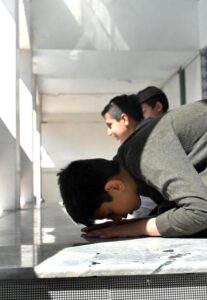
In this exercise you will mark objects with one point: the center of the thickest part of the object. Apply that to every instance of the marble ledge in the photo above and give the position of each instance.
(144, 256)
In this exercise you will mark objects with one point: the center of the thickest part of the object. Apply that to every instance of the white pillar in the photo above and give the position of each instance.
(26, 125)
(36, 152)
(8, 154)
(26, 104)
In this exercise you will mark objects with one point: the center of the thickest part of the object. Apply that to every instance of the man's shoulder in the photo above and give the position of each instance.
(142, 131)
(136, 141)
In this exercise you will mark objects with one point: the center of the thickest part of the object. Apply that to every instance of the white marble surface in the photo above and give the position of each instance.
(142, 256)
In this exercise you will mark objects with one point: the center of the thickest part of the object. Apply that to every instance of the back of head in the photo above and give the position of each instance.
(151, 95)
(127, 104)
(82, 187)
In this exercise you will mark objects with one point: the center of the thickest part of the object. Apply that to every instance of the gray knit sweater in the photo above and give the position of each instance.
(168, 159)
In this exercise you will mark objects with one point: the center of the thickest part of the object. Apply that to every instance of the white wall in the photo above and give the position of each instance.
(8, 170)
(74, 139)
(77, 140)
(192, 84)
(202, 12)
(50, 190)
(193, 81)
(172, 90)
(16, 113)
(193, 70)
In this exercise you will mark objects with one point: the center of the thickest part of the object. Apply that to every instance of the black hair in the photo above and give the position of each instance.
(82, 184)
(127, 104)
(151, 95)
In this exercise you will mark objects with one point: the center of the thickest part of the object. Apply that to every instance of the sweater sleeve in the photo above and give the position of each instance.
(166, 167)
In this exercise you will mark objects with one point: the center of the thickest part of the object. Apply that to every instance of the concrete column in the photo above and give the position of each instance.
(26, 125)
(36, 152)
(26, 104)
(8, 149)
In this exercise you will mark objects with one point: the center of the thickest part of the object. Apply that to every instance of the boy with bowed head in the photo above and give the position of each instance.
(165, 159)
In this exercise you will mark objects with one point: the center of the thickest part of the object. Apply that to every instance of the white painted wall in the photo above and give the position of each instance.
(16, 113)
(50, 190)
(77, 140)
(8, 170)
(74, 140)
(202, 11)
(193, 81)
(172, 90)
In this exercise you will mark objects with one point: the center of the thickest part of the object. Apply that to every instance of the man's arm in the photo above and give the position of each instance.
(134, 228)
(168, 169)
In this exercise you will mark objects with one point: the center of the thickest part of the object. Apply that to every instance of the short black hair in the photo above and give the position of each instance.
(82, 184)
(127, 104)
(151, 95)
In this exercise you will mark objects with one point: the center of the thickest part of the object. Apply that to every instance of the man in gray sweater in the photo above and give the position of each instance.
(165, 160)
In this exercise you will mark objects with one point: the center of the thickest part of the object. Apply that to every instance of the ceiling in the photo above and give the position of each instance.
(106, 47)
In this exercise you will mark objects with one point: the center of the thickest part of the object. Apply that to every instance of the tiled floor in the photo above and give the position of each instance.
(30, 235)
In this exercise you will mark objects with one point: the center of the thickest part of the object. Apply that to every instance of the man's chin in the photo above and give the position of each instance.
(119, 139)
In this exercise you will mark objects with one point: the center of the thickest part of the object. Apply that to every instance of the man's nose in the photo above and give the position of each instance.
(109, 132)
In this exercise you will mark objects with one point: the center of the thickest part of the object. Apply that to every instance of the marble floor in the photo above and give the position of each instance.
(44, 242)
(30, 235)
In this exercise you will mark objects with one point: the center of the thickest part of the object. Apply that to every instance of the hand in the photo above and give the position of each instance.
(97, 226)
(135, 228)
(106, 224)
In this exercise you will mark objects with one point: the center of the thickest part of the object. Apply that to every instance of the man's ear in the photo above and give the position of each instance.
(114, 185)
(159, 106)
(125, 119)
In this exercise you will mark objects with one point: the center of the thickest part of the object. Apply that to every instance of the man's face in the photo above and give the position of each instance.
(151, 112)
(117, 129)
(123, 202)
